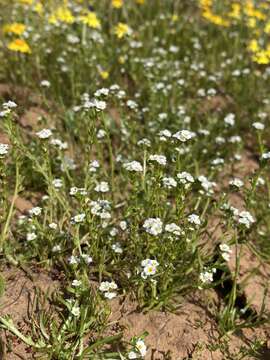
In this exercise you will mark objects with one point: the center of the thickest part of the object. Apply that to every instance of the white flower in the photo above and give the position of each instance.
(102, 91)
(78, 218)
(101, 134)
(161, 159)
(117, 248)
(185, 177)
(9, 105)
(35, 211)
(103, 187)
(225, 251)
(44, 134)
(266, 156)
(140, 345)
(229, 119)
(173, 228)
(110, 295)
(100, 208)
(4, 149)
(74, 190)
(260, 181)
(123, 225)
(258, 125)
(144, 142)
(149, 268)
(56, 248)
(106, 287)
(53, 226)
(165, 135)
(31, 236)
(226, 256)
(236, 182)
(225, 248)
(76, 283)
(86, 258)
(94, 165)
(207, 276)
(206, 184)
(75, 311)
(45, 83)
(153, 226)
(57, 142)
(194, 219)
(73, 260)
(169, 182)
(217, 161)
(73, 39)
(235, 139)
(246, 218)
(99, 105)
(133, 355)
(133, 166)
(184, 135)
(113, 231)
(57, 183)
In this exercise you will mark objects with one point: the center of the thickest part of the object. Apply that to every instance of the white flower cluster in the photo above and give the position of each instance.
(173, 229)
(44, 133)
(149, 268)
(77, 219)
(139, 350)
(184, 135)
(169, 182)
(160, 159)
(153, 226)
(103, 187)
(4, 149)
(74, 191)
(35, 211)
(85, 258)
(101, 208)
(185, 178)
(194, 219)
(225, 251)
(133, 166)
(266, 155)
(207, 185)
(108, 289)
(207, 276)
(236, 183)
(7, 106)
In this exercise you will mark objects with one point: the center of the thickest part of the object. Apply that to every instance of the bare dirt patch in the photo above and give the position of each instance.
(16, 302)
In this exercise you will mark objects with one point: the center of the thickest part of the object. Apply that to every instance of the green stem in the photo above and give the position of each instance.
(9, 217)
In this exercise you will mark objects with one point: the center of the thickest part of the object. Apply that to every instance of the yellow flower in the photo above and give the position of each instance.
(253, 46)
(236, 11)
(38, 8)
(117, 3)
(121, 60)
(175, 18)
(140, 2)
(267, 28)
(62, 14)
(26, 2)
(91, 20)
(14, 28)
(104, 74)
(121, 30)
(261, 57)
(215, 19)
(251, 22)
(19, 45)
